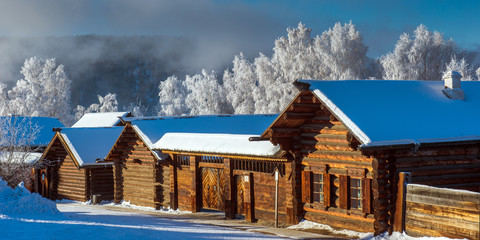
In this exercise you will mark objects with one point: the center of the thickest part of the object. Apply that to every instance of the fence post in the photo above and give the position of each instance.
(399, 218)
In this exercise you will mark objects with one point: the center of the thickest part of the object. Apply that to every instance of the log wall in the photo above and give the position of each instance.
(456, 166)
(138, 177)
(440, 212)
(101, 182)
(264, 197)
(68, 182)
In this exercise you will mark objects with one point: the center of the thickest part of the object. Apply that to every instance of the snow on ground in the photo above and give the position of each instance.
(304, 225)
(28, 216)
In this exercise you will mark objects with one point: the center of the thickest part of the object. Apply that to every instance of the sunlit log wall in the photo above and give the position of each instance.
(139, 178)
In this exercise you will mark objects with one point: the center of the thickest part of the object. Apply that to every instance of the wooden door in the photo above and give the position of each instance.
(240, 199)
(43, 190)
(213, 185)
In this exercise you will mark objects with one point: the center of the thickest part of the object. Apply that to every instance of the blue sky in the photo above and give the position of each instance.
(250, 26)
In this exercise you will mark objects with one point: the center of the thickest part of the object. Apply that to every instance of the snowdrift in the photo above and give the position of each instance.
(20, 202)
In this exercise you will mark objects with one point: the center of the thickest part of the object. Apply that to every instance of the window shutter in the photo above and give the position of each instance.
(326, 190)
(367, 195)
(344, 199)
(307, 186)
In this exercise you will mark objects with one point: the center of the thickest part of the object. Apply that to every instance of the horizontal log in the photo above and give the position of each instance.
(442, 211)
(297, 116)
(304, 107)
(452, 203)
(414, 189)
(284, 132)
(339, 155)
(442, 226)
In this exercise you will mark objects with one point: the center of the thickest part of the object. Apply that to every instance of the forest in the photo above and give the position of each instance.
(149, 75)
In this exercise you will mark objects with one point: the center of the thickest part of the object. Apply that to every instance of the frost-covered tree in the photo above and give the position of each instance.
(43, 91)
(422, 56)
(462, 67)
(205, 94)
(137, 109)
(239, 85)
(172, 97)
(108, 103)
(16, 149)
(341, 53)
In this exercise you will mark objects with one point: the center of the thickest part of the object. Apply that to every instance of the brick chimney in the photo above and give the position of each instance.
(453, 88)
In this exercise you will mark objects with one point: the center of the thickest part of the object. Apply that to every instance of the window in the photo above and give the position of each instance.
(355, 193)
(318, 188)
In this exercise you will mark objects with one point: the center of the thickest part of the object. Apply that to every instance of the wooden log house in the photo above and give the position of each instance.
(144, 176)
(352, 139)
(228, 172)
(75, 166)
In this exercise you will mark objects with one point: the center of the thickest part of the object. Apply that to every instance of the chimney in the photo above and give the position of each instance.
(453, 88)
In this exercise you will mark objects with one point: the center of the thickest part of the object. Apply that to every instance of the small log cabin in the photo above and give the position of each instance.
(350, 141)
(75, 166)
(228, 172)
(144, 176)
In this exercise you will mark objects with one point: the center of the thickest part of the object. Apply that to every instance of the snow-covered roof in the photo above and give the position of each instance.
(20, 157)
(45, 125)
(386, 112)
(154, 128)
(90, 144)
(104, 119)
(235, 144)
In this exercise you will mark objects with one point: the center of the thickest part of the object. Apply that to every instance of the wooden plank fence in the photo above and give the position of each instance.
(440, 212)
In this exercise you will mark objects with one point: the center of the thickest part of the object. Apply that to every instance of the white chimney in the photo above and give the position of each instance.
(453, 88)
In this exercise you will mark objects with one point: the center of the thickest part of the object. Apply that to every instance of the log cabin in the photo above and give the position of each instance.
(351, 141)
(75, 166)
(143, 175)
(230, 173)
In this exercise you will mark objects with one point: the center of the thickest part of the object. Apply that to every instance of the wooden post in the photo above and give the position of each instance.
(117, 182)
(249, 198)
(399, 218)
(229, 193)
(276, 197)
(173, 186)
(195, 193)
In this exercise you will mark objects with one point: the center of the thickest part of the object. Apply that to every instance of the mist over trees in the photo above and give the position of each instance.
(142, 74)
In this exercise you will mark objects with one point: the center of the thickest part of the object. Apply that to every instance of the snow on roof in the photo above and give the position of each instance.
(381, 112)
(89, 144)
(154, 128)
(20, 157)
(45, 125)
(237, 144)
(104, 119)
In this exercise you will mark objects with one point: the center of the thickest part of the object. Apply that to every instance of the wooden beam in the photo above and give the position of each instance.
(297, 116)
(284, 132)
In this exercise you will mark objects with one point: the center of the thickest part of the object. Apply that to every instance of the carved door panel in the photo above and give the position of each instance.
(213, 182)
(240, 187)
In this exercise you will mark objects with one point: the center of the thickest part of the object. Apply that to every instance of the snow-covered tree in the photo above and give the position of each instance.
(240, 84)
(420, 57)
(172, 97)
(460, 66)
(341, 53)
(205, 94)
(44, 90)
(16, 149)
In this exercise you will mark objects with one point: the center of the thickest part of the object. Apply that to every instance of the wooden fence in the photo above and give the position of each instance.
(437, 212)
